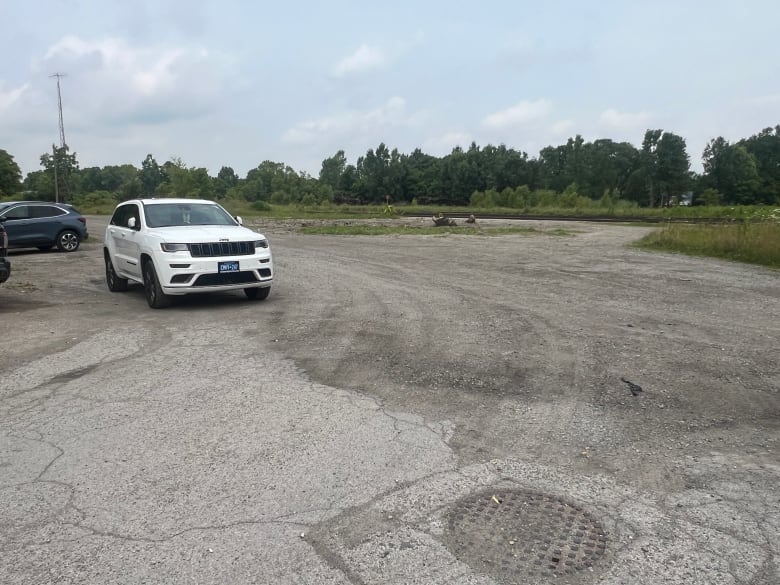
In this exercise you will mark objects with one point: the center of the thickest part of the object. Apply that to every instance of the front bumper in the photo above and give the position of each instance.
(5, 269)
(181, 274)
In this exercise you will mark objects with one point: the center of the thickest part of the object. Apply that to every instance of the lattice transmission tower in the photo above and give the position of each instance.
(60, 188)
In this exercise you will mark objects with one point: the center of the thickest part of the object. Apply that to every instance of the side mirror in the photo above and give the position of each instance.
(240, 220)
(131, 223)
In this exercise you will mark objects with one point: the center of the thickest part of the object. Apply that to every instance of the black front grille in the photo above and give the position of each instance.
(225, 278)
(210, 249)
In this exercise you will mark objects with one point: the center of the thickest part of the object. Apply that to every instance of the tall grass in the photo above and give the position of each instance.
(754, 243)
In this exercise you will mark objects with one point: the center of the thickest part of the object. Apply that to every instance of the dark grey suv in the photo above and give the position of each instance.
(35, 224)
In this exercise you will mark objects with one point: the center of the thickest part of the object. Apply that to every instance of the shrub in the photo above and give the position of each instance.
(261, 205)
(95, 202)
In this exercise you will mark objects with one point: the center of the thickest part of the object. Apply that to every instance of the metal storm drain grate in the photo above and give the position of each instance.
(515, 534)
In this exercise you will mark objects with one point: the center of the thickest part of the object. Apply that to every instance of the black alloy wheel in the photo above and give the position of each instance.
(114, 282)
(154, 294)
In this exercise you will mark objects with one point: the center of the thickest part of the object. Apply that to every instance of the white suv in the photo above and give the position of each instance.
(182, 246)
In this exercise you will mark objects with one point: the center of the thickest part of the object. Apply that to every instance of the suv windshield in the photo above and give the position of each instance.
(179, 214)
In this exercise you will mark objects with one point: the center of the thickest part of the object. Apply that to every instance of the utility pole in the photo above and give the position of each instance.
(63, 144)
(56, 186)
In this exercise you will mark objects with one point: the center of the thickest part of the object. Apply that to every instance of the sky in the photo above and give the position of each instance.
(234, 83)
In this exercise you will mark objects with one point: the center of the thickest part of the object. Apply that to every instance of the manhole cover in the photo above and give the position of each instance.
(515, 534)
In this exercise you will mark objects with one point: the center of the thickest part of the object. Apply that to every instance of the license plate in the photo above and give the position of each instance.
(228, 267)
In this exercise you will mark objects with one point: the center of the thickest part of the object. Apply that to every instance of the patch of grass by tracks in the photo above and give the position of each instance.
(753, 243)
(385, 230)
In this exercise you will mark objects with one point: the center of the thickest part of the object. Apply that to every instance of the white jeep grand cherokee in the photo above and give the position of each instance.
(182, 246)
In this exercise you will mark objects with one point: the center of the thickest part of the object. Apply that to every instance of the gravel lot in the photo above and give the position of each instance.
(402, 409)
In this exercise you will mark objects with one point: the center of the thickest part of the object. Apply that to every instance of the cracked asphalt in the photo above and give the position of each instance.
(330, 433)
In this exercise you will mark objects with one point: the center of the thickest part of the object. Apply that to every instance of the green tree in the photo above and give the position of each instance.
(259, 183)
(636, 187)
(184, 181)
(732, 171)
(709, 196)
(422, 171)
(287, 182)
(665, 167)
(608, 167)
(151, 175)
(10, 175)
(374, 177)
(673, 170)
(112, 177)
(130, 189)
(765, 148)
(648, 161)
(91, 179)
(509, 168)
(551, 168)
(226, 179)
(62, 166)
(333, 169)
(39, 185)
(228, 176)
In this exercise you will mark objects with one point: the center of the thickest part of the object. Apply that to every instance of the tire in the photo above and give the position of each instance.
(45, 248)
(68, 241)
(154, 294)
(259, 294)
(114, 282)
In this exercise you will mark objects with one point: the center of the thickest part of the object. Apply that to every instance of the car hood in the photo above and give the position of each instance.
(195, 234)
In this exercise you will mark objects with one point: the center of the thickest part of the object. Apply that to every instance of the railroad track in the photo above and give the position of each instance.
(596, 218)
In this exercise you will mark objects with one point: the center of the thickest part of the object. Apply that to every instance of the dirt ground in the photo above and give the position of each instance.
(514, 363)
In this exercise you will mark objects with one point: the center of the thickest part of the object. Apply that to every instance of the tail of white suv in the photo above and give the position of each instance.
(183, 246)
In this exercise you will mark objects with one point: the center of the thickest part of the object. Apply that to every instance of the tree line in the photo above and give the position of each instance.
(656, 174)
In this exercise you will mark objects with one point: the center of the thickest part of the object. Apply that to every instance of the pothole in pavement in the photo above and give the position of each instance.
(515, 534)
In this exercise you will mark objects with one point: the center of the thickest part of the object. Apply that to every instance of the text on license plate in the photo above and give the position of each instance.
(228, 266)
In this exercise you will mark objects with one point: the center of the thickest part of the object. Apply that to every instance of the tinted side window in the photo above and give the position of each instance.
(18, 212)
(134, 212)
(123, 213)
(119, 214)
(40, 211)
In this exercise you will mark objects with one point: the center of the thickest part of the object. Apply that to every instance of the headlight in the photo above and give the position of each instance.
(261, 243)
(174, 247)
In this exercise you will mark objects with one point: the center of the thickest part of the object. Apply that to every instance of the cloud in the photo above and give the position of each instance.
(391, 113)
(113, 82)
(762, 101)
(562, 127)
(442, 145)
(519, 114)
(365, 58)
(616, 119)
(8, 98)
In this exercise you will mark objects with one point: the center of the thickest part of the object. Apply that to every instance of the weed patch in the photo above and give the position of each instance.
(753, 243)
